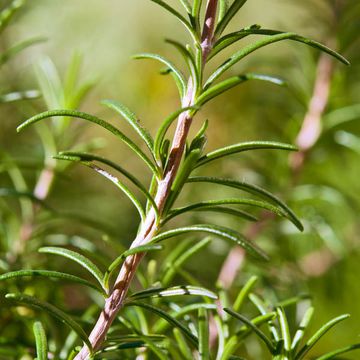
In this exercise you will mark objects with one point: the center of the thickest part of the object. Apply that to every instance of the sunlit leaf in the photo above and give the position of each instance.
(49, 274)
(252, 189)
(256, 330)
(204, 345)
(85, 157)
(171, 320)
(220, 231)
(41, 341)
(93, 119)
(173, 291)
(132, 120)
(19, 95)
(334, 354)
(244, 146)
(302, 327)
(319, 334)
(229, 14)
(178, 16)
(276, 37)
(228, 84)
(78, 258)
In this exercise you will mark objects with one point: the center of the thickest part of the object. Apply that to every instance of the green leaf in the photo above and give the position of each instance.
(244, 146)
(124, 255)
(230, 13)
(175, 72)
(179, 17)
(52, 310)
(204, 346)
(18, 48)
(183, 346)
(300, 332)
(165, 126)
(19, 95)
(173, 291)
(276, 37)
(223, 8)
(7, 13)
(186, 5)
(49, 274)
(96, 120)
(284, 327)
(220, 231)
(161, 325)
(85, 157)
(260, 305)
(189, 59)
(252, 189)
(113, 179)
(80, 259)
(170, 319)
(244, 292)
(196, 9)
(256, 330)
(132, 120)
(319, 334)
(41, 341)
(214, 203)
(225, 85)
(334, 354)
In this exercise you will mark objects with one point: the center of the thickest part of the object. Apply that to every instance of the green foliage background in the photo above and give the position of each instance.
(326, 192)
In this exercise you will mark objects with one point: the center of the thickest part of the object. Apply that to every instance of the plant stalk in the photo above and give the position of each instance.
(150, 227)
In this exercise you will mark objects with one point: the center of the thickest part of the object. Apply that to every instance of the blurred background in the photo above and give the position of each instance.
(318, 110)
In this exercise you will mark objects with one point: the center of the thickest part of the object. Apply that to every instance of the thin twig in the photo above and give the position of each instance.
(149, 229)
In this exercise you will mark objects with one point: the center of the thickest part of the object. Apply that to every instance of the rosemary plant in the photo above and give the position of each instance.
(172, 164)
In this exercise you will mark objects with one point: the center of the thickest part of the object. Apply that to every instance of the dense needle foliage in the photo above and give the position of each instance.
(156, 310)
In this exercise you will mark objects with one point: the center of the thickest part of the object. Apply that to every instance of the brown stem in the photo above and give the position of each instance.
(115, 300)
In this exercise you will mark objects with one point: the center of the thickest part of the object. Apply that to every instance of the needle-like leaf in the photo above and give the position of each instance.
(252, 189)
(173, 291)
(50, 274)
(170, 319)
(132, 120)
(86, 157)
(319, 334)
(80, 259)
(256, 330)
(19, 95)
(187, 25)
(244, 292)
(302, 327)
(230, 83)
(276, 37)
(284, 328)
(245, 146)
(230, 13)
(7, 13)
(96, 120)
(220, 231)
(204, 346)
(52, 310)
(119, 184)
(234, 201)
(41, 341)
(334, 354)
